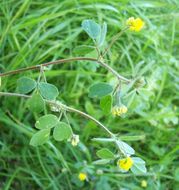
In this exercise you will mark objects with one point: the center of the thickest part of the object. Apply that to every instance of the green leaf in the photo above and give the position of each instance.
(105, 153)
(46, 122)
(132, 138)
(99, 90)
(101, 161)
(106, 104)
(102, 36)
(104, 139)
(176, 174)
(91, 28)
(103, 183)
(62, 131)
(36, 103)
(26, 85)
(125, 148)
(40, 137)
(48, 91)
(138, 166)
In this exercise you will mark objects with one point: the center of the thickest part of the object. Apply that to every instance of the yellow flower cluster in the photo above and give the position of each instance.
(125, 163)
(82, 176)
(135, 24)
(119, 110)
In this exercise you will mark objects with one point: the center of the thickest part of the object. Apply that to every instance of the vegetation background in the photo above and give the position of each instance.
(33, 32)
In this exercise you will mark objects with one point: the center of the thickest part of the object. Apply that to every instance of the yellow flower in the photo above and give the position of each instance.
(125, 163)
(75, 140)
(135, 24)
(116, 110)
(144, 183)
(82, 176)
(123, 109)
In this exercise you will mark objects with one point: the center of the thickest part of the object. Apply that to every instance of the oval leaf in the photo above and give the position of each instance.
(138, 166)
(62, 131)
(99, 90)
(106, 104)
(26, 85)
(48, 91)
(36, 103)
(102, 36)
(105, 153)
(125, 148)
(101, 161)
(46, 122)
(40, 137)
(91, 28)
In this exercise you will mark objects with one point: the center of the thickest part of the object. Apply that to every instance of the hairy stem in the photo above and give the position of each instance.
(57, 62)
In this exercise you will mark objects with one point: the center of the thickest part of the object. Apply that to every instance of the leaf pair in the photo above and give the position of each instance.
(95, 31)
(48, 91)
(62, 131)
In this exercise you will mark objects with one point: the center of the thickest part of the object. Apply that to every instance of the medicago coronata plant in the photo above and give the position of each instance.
(51, 113)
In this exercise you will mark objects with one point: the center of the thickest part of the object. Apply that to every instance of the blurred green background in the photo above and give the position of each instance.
(33, 32)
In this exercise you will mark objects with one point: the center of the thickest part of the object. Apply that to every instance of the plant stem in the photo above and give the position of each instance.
(37, 67)
(113, 40)
(67, 108)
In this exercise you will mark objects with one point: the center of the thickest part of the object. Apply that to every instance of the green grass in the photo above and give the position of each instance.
(34, 32)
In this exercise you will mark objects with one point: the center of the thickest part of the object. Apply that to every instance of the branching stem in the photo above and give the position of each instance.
(113, 40)
(57, 62)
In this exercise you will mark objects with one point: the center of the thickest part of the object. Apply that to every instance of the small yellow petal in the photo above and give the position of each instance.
(82, 176)
(125, 163)
(123, 109)
(116, 110)
(135, 24)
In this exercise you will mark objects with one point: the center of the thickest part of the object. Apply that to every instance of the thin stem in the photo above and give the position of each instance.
(70, 109)
(113, 40)
(67, 108)
(37, 67)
